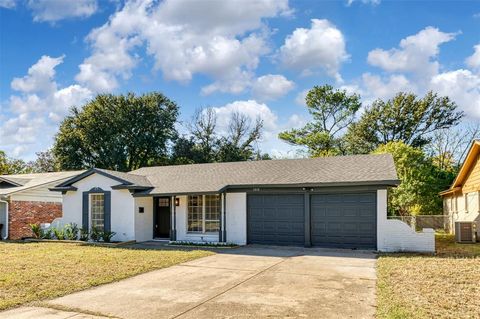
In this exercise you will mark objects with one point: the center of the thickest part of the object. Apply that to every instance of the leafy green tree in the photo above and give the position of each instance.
(120, 132)
(12, 166)
(421, 181)
(404, 118)
(45, 162)
(332, 111)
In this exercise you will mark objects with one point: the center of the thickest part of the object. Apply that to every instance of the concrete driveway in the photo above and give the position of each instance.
(254, 281)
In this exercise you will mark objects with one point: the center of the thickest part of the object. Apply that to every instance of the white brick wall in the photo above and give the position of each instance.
(395, 235)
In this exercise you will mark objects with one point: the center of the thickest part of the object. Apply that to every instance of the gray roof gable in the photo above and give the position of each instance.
(21, 182)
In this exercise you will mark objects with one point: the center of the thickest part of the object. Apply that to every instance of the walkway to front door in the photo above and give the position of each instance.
(247, 282)
(161, 217)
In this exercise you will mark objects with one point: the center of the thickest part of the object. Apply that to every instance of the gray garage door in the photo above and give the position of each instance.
(276, 219)
(344, 220)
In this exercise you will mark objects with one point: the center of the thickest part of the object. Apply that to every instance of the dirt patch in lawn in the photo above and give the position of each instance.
(445, 285)
(38, 271)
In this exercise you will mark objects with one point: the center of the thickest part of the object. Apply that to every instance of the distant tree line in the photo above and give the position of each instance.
(125, 132)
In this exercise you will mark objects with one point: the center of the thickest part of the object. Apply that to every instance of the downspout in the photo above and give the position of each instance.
(6, 218)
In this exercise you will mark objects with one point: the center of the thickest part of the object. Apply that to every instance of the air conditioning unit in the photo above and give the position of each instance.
(465, 232)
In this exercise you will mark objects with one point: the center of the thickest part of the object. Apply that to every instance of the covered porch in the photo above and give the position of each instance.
(195, 218)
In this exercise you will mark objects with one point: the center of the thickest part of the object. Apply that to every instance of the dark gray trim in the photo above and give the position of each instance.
(89, 172)
(172, 205)
(63, 189)
(301, 190)
(307, 220)
(392, 183)
(7, 181)
(107, 214)
(275, 189)
(107, 208)
(132, 187)
(140, 194)
(85, 209)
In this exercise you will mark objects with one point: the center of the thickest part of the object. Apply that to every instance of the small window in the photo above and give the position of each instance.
(470, 202)
(97, 211)
(164, 202)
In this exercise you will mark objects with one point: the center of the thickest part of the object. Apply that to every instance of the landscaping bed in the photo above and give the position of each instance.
(444, 285)
(36, 271)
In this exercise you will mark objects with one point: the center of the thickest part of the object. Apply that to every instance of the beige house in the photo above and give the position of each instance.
(462, 200)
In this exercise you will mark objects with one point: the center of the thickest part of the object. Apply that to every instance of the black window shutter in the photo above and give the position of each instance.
(85, 211)
(107, 213)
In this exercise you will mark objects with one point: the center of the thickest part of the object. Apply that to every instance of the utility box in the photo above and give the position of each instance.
(465, 232)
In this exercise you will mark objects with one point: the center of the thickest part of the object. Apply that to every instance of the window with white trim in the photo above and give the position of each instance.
(470, 199)
(204, 213)
(97, 211)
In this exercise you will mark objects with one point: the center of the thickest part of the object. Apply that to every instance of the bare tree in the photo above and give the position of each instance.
(449, 146)
(241, 132)
(203, 130)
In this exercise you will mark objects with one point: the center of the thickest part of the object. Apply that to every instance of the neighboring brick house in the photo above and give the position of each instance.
(25, 199)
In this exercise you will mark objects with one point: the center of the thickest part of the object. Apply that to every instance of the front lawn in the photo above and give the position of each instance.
(37, 271)
(446, 285)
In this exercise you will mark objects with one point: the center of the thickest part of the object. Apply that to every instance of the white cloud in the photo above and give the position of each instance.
(416, 53)
(301, 96)
(223, 40)
(463, 87)
(415, 68)
(473, 61)
(55, 10)
(372, 2)
(320, 47)
(39, 77)
(7, 4)
(377, 87)
(271, 87)
(252, 109)
(35, 111)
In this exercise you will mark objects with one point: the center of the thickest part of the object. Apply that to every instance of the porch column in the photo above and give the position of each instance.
(224, 208)
(220, 218)
(173, 232)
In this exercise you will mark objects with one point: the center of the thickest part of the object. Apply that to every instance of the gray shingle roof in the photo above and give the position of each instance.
(134, 179)
(337, 170)
(27, 181)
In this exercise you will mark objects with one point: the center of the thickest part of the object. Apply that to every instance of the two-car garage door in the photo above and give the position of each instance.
(346, 220)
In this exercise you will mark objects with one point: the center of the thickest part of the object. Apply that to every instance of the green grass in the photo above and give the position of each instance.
(445, 285)
(37, 271)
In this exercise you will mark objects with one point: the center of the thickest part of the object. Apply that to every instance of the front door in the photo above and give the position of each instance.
(162, 217)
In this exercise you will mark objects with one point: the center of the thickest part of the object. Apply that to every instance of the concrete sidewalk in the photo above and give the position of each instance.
(238, 283)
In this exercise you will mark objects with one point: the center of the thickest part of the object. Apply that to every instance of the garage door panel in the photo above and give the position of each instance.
(280, 216)
(344, 220)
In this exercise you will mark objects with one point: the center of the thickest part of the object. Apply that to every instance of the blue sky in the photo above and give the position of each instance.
(255, 57)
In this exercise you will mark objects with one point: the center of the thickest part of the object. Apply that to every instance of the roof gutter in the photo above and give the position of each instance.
(387, 183)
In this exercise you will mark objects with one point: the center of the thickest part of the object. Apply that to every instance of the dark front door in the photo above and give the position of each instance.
(162, 217)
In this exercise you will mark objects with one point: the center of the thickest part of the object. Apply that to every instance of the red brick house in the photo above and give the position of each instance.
(25, 199)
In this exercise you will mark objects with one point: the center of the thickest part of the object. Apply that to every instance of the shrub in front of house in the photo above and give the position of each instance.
(72, 232)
